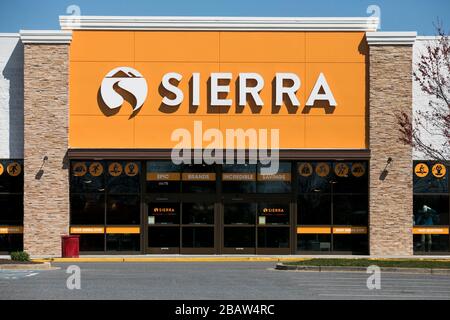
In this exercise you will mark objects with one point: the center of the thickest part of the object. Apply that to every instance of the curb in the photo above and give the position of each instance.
(170, 259)
(41, 266)
(284, 267)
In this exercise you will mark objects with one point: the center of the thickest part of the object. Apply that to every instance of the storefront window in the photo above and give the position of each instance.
(198, 237)
(431, 207)
(239, 213)
(11, 205)
(105, 193)
(333, 194)
(198, 213)
(273, 237)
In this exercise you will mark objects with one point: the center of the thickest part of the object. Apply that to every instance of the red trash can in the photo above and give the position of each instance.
(70, 246)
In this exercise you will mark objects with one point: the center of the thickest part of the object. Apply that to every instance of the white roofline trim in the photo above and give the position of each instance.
(219, 23)
(9, 35)
(46, 36)
(428, 38)
(391, 38)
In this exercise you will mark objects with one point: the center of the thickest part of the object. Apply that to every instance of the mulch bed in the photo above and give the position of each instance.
(7, 261)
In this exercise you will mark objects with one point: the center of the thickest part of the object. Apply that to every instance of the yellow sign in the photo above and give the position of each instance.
(341, 170)
(430, 230)
(439, 170)
(95, 169)
(131, 169)
(198, 176)
(14, 169)
(322, 169)
(305, 169)
(115, 169)
(358, 169)
(421, 170)
(11, 230)
(87, 230)
(244, 176)
(350, 230)
(163, 176)
(79, 169)
(274, 177)
(123, 230)
(1, 169)
(313, 230)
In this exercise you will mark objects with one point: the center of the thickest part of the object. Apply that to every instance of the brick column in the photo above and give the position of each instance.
(390, 92)
(46, 182)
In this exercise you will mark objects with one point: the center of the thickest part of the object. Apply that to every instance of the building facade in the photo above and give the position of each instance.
(96, 116)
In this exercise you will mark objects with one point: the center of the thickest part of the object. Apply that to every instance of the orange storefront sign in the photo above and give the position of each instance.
(339, 56)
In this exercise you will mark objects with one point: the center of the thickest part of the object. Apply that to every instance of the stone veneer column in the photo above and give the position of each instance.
(46, 108)
(391, 194)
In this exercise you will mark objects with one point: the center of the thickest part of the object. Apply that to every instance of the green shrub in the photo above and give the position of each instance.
(20, 256)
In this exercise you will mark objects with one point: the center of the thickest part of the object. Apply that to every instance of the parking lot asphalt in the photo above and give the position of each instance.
(216, 281)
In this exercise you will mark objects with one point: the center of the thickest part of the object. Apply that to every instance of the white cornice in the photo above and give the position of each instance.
(218, 23)
(391, 38)
(46, 36)
(9, 35)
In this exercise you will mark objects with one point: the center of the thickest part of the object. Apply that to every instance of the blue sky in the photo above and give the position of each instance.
(396, 15)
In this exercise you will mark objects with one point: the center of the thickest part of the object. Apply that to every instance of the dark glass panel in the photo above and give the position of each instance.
(239, 213)
(11, 209)
(273, 237)
(87, 209)
(92, 242)
(123, 209)
(239, 237)
(198, 237)
(355, 243)
(314, 242)
(11, 242)
(198, 213)
(431, 210)
(123, 242)
(314, 209)
(350, 210)
(424, 243)
(162, 237)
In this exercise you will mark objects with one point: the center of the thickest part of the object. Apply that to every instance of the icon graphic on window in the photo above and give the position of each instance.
(421, 170)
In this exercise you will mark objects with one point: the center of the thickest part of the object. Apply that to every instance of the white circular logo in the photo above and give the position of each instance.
(124, 83)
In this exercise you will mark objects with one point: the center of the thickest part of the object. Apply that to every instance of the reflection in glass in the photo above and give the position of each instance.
(162, 237)
(127, 181)
(11, 242)
(87, 209)
(87, 182)
(355, 243)
(123, 209)
(239, 237)
(424, 243)
(123, 242)
(314, 209)
(92, 242)
(350, 210)
(273, 237)
(431, 210)
(198, 237)
(198, 213)
(314, 242)
(239, 213)
(429, 183)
